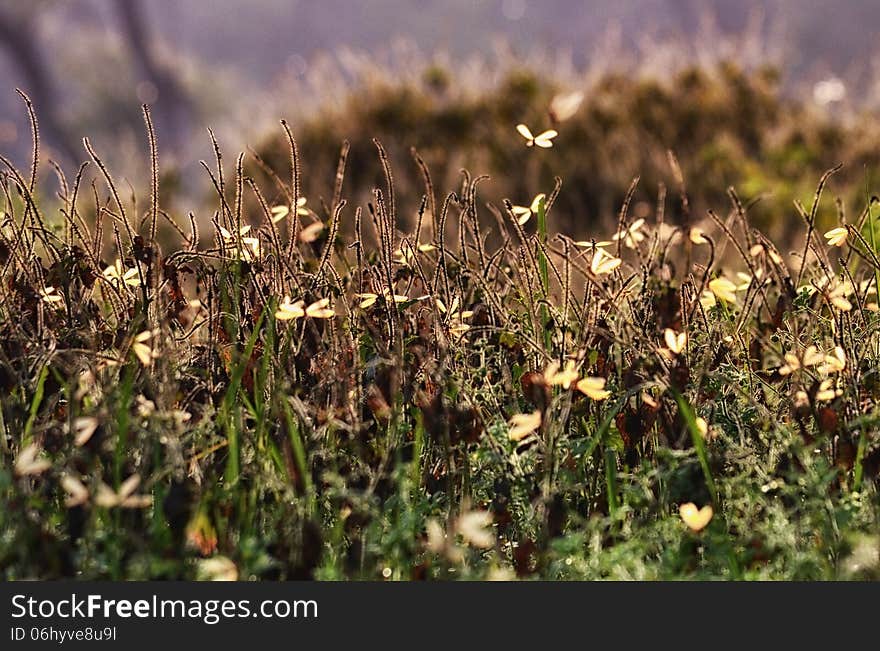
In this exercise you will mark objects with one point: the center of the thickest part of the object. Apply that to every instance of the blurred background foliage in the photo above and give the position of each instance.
(727, 127)
(738, 90)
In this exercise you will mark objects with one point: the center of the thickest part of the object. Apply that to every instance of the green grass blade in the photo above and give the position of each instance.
(36, 401)
(690, 420)
(299, 452)
(230, 413)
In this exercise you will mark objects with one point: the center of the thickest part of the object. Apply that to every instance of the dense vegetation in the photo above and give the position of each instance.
(417, 384)
(728, 127)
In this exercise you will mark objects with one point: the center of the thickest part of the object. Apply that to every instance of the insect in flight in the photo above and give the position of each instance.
(544, 139)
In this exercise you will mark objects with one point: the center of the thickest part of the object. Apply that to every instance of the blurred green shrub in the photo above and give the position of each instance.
(726, 126)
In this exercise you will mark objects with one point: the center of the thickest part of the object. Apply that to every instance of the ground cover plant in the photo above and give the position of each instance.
(429, 386)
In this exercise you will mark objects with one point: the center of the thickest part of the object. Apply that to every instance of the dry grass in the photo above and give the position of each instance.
(337, 391)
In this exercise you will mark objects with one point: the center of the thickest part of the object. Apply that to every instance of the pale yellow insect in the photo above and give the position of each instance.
(84, 427)
(565, 105)
(453, 311)
(311, 232)
(587, 244)
(543, 139)
(564, 378)
(834, 362)
(521, 425)
(320, 310)
(124, 497)
(289, 310)
(695, 519)
(792, 363)
(723, 288)
(405, 255)
(252, 244)
(631, 235)
(593, 387)
(758, 250)
(216, 568)
(524, 213)
(455, 317)
(50, 295)
(30, 461)
(368, 298)
(77, 493)
(697, 236)
(118, 275)
(811, 357)
(282, 211)
(837, 236)
(838, 296)
(826, 391)
(142, 351)
(707, 299)
(675, 341)
(475, 528)
(745, 280)
(603, 262)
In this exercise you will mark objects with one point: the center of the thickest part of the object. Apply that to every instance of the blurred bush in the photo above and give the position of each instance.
(726, 126)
